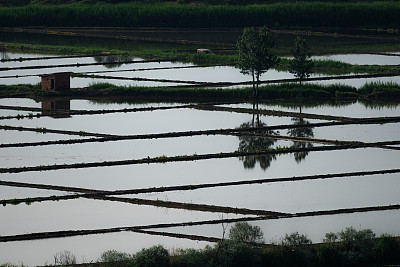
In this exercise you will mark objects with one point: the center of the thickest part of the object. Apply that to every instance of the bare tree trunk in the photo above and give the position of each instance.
(300, 88)
(300, 94)
(254, 113)
(258, 80)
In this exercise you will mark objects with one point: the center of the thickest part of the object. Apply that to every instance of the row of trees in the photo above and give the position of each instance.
(244, 247)
(256, 56)
(349, 247)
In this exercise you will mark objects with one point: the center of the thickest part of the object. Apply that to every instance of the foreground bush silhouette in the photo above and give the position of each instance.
(387, 250)
(155, 256)
(349, 247)
(116, 259)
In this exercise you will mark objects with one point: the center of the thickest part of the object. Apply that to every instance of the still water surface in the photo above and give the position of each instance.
(283, 197)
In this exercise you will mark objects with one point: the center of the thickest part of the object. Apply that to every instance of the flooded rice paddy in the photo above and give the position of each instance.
(317, 186)
(130, 71)
(175, 209)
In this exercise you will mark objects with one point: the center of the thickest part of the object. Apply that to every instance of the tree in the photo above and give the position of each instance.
(65, 258)
(301, 64)
(116, 259)
(155, 256)
(245, 232)
(255, 55)
(296, 240)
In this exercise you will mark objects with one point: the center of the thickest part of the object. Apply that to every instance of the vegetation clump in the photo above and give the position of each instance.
(116, 258)
(155, 256)
(380, 90)
(349, 247)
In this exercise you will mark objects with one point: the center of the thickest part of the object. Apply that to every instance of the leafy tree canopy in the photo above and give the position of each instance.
(301, 64)
(255, 55)
(245, 232)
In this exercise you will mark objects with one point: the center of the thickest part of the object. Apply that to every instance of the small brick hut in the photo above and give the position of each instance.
(56, 82)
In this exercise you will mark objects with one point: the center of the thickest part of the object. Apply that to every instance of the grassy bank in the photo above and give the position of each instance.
(162, 14)
(288, 91)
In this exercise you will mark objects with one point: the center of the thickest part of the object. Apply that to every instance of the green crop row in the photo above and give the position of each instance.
(135, 14)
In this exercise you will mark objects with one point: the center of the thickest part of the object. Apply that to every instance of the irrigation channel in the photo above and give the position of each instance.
(126, 176)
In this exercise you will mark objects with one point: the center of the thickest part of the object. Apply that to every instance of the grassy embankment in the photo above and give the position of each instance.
(387, 91)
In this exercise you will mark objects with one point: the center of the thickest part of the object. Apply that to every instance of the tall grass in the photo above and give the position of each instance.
(267, 92)
(135, 14)
(385, 90)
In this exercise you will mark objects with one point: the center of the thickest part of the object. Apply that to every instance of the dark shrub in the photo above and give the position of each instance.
(115, 258)
(232, 253)
(387, 249)
(328, 255)
(193, 258)
(155, 256)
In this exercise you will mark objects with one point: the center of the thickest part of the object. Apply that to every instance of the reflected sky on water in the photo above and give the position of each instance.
(281, 196)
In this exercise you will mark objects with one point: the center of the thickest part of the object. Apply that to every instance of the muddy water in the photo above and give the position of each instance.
(290, 197)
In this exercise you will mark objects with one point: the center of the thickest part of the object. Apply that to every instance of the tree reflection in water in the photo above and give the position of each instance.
(4, 55)
(301, 132)
(252, 141)
(112, 61)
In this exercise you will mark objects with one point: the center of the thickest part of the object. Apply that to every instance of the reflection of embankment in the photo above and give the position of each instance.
(211, 107)
(86, 112)
(90, 74)
(89, 64)
(20, 59)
